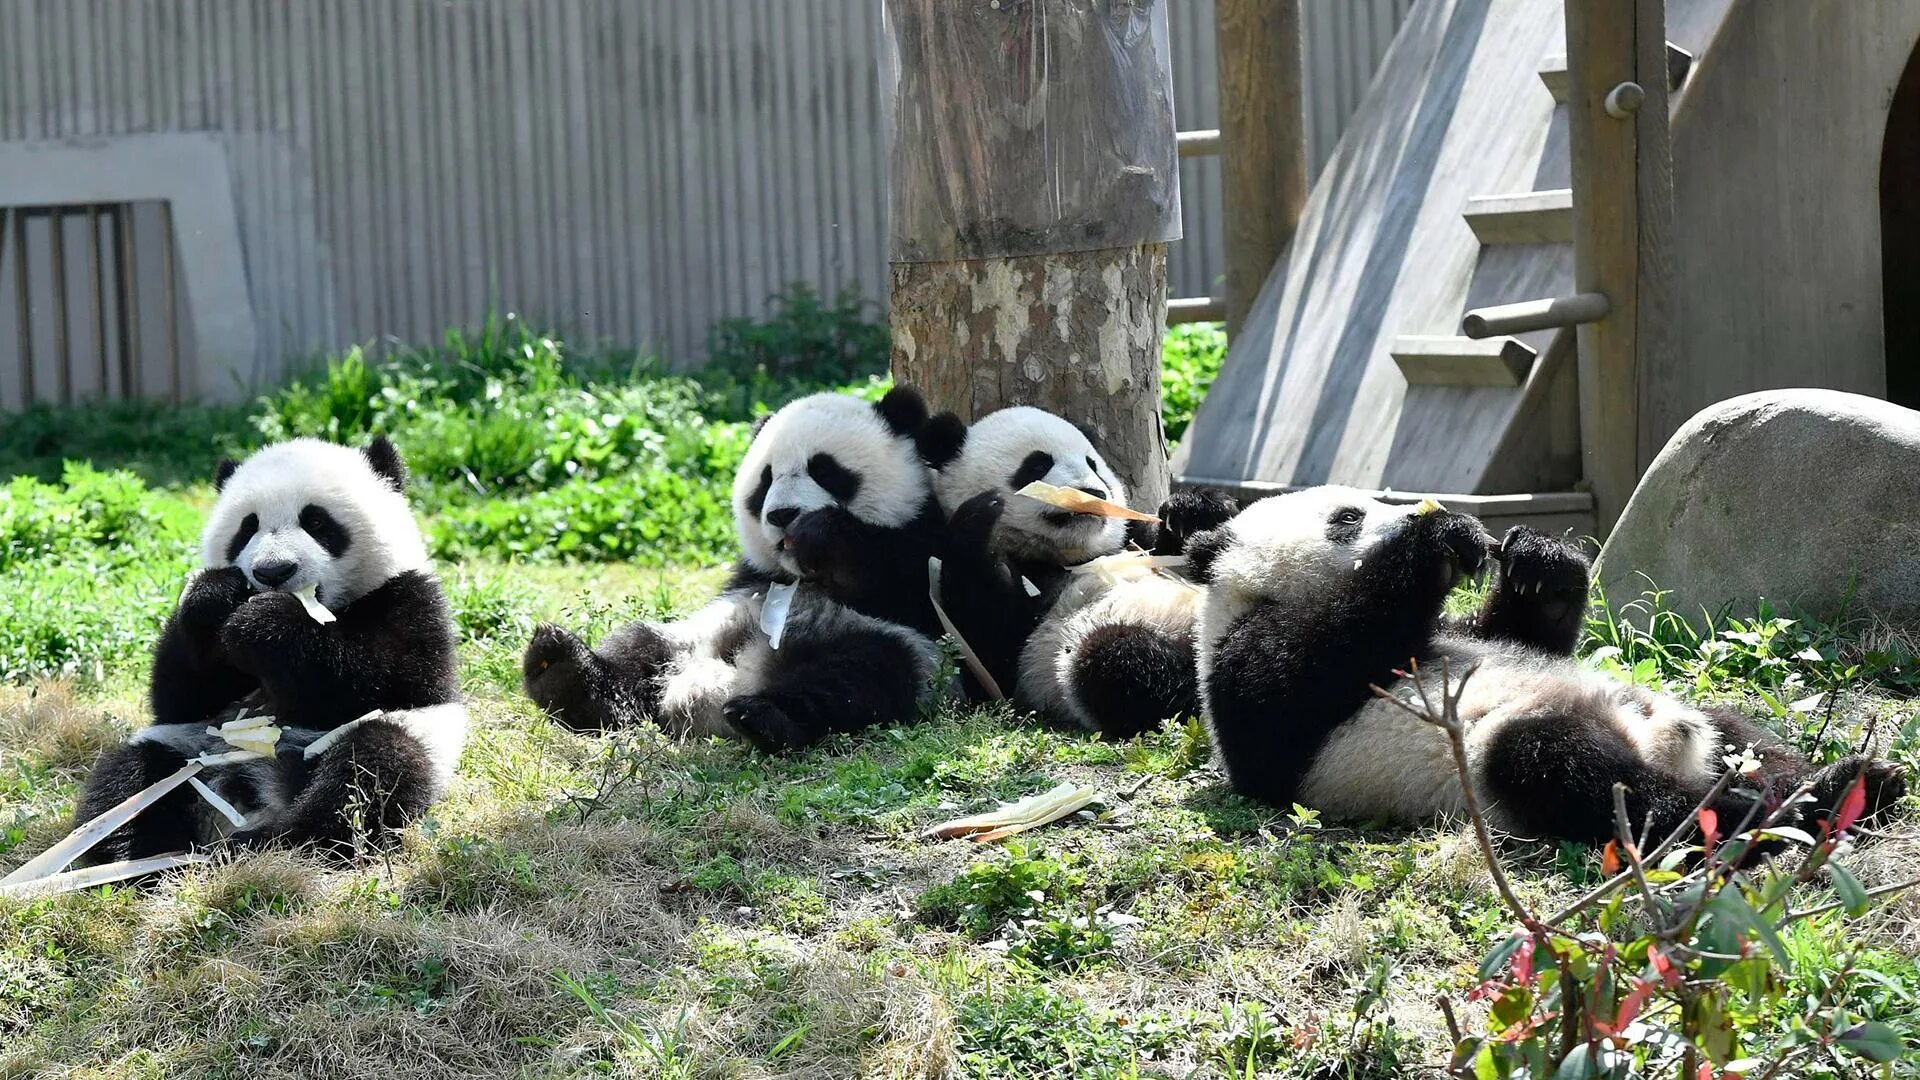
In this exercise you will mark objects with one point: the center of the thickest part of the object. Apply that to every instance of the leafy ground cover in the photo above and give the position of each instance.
(629, 906)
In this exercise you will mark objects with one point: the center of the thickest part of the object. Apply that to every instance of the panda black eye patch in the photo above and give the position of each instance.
(834, 477)
(326, 532)
(1038, 464)
(1343, 526)
(248, 526)
(758, 499)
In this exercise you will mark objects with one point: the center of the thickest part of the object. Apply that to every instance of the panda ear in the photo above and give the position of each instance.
(385, 459)
(941, 440)
(904, 410)
(1203, 548)
(223, 472)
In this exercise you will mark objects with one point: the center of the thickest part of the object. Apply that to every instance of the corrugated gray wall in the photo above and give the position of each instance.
(628, 170)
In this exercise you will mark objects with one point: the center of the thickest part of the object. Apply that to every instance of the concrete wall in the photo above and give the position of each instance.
(628, 170)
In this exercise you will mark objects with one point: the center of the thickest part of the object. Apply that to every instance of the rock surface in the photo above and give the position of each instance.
(1808, 498)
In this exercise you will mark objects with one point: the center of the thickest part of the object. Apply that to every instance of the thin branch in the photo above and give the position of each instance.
(1448, 721)
(1871, 894)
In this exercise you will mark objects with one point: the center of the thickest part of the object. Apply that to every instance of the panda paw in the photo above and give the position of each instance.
(1187, 513)
(262, 629)
(213, 597)
(971, 526)
(1886, 784)
(1535, 564)
(766, 725)
(560, 674)
(1466, 542)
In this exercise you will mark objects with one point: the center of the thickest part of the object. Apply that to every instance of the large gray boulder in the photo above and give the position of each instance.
(1808, 498)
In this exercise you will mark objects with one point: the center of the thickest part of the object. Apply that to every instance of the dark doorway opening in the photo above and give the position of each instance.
(1900, 238)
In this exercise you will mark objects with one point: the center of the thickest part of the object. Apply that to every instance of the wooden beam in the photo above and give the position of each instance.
(1532, 217)
(1263, 176)
(1459, 361)
(1623, 214)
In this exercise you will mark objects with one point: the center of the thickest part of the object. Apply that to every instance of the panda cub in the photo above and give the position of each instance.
(1315, 595)
(1114, 657)
(836, 521)
(370, 717)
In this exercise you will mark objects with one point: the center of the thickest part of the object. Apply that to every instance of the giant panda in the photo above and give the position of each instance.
(1111, 656)
(836, 519)
(368, 705)
(1314, 596)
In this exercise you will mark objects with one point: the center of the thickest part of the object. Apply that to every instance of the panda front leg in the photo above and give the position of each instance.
(596, 689)
(1186, 514)
(192, 678)
(170, 825)
(1539, 594)
(816, 685)
(374, 782)
(980, 593)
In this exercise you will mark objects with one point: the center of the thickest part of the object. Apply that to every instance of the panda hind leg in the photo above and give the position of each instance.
(813, 688)
(592, 690)
(170, 825)
(1783, 769)
(361, 792)
(1552, 775)
(1127, 679)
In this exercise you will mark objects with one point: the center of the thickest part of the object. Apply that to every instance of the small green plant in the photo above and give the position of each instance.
(1191, 360)
(993, 892)
(1678, 964)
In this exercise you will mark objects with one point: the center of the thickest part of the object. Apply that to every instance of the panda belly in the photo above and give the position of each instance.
(264, 789)
(724, 654)
(1114, 658)
(1387, 764)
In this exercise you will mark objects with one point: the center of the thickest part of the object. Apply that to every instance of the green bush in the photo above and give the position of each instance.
(1192, 358)
(803, 337)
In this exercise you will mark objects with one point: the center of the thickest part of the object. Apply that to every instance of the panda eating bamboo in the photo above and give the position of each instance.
(315, 607)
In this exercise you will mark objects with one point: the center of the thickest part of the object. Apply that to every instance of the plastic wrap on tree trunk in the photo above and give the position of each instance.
(1023, 127)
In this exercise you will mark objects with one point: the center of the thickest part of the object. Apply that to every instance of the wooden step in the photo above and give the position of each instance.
(1532, 217)
(1553, 72)
(1459, 361)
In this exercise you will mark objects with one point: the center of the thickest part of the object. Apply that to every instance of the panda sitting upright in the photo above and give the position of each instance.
(1317, 595)
(370, 718)
(1114, 657)
(836, 522)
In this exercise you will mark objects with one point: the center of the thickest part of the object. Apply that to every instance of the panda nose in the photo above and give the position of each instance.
(274, 572)
(783, 516)
(1098, 493)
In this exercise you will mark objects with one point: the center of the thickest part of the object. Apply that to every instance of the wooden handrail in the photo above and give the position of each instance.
(1196, 309)
(1528, 315)
(1199, 143)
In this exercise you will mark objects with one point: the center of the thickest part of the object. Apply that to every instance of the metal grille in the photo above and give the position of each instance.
(89, 304)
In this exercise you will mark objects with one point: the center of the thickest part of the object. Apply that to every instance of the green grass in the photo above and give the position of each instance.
(631, 906)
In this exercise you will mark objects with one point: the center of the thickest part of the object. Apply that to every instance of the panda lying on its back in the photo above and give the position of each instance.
(1315, 595)
(832, 496)
(296, 516)
(1113, 658)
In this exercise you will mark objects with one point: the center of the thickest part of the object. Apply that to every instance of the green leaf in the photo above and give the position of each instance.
(1513, 1007)
(1874, 1041)
(1578, 1065)
(1496, 961)
(1852, 895)
(1738, 915)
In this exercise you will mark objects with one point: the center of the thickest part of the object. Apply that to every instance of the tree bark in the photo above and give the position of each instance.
(1075, 333)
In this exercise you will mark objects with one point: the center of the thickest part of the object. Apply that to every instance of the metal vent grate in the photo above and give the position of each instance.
(90, 307)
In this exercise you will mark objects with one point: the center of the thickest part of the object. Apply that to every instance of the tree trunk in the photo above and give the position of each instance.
(1075, 333)
(1035, 183)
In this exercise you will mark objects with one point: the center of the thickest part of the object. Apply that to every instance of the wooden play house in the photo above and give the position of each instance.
(1550, 236)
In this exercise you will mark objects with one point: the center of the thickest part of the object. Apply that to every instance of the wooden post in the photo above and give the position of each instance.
(1035, 184)
(1263, 144)
(1623, 216)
